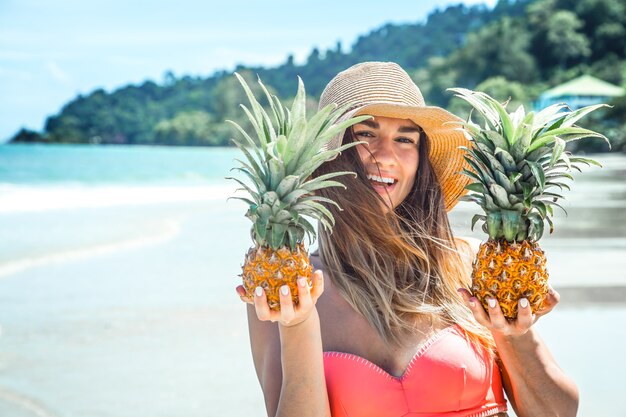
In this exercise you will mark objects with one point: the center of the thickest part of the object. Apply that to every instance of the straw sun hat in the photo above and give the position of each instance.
(385, 89)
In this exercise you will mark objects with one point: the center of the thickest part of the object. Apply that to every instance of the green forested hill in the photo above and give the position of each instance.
(515, 50)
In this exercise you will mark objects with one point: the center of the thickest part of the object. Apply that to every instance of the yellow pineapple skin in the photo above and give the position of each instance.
(271, 269)
(508, 272)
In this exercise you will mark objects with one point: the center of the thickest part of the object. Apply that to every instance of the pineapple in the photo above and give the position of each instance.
(517, 160)
(279, 163)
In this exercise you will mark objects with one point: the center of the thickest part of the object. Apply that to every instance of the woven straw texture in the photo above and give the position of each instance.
(385, 89)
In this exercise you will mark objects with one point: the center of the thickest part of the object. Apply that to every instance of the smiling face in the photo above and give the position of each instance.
(391, 155)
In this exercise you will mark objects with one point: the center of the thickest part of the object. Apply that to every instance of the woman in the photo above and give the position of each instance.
(388, 328)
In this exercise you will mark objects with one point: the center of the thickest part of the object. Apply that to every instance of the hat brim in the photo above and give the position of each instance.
(445, 136)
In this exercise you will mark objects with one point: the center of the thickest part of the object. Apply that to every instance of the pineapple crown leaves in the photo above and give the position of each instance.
(281, 153)
(515, 160)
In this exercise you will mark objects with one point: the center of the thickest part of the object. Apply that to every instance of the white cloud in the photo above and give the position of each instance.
(58, 73)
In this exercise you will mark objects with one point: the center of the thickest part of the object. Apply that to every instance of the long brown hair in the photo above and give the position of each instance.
(398, 266)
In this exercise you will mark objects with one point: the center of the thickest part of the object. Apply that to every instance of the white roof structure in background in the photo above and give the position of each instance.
(583, 91)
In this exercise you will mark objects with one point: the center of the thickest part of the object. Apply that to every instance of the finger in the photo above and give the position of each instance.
(241, 292)
(304, 294)
(246, 300)
(549, 302)
(496, 317)
(552, 299)
(475, 307)
(525, 316)
(318, 285)
(465, 294)
(260, 305)
(287, 312)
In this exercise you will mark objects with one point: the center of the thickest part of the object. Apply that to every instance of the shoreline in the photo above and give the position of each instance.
(575, 296)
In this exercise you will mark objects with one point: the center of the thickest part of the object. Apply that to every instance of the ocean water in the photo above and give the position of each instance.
(117, 275)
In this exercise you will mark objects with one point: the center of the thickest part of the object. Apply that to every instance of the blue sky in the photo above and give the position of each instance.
(50, 51)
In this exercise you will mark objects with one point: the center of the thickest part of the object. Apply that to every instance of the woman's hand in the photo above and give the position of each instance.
(495, 321)
(534, 383)
(290, 314)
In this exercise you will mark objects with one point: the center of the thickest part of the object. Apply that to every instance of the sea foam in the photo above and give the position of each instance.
(36, 198)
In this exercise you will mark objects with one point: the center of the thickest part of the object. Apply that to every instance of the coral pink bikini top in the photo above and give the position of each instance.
(447, 377)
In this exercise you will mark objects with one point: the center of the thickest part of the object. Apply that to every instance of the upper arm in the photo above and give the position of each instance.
(265, 346)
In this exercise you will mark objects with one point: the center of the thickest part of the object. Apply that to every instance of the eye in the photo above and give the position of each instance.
(364, 133)
(404, 139)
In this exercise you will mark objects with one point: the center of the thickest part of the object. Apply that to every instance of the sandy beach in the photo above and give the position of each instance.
(144, 330)
(152, 331)
(133, 312)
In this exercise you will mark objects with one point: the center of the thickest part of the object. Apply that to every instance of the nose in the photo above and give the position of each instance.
(383, 151)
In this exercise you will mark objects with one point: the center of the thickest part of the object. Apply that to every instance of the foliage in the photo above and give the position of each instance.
(500, 48)
(194, 127)
(28, 136)
(518, 49)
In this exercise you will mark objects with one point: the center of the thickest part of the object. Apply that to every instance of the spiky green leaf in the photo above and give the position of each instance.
(538, 174)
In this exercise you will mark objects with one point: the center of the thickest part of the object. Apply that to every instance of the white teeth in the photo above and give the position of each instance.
(381, 179)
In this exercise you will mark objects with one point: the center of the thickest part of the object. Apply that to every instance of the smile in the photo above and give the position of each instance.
(382, 185)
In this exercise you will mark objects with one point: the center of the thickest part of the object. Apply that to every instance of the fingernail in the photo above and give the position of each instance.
(258, 291)
(523, 303)
(284, 290)
(492, 302)
(472, 302)
(551, 291)
(302, 282)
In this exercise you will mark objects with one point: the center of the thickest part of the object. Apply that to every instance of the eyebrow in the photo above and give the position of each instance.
(402, 129)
